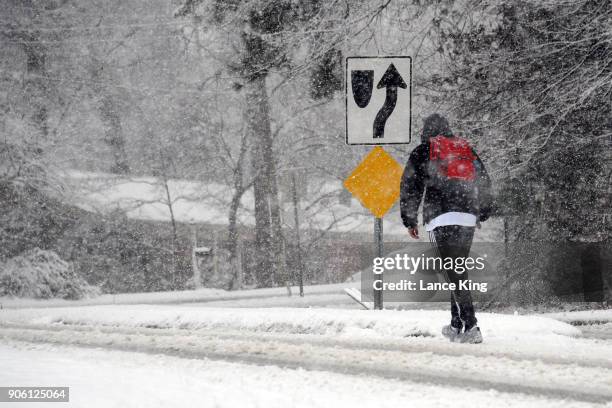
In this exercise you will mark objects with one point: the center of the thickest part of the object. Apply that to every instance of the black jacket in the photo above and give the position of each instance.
(441, 196)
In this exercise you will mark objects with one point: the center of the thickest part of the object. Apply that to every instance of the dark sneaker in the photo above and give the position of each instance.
(451, 332)
(472, 336)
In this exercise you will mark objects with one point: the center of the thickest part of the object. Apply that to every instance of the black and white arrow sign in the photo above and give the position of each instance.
(391, 80)
(380, 115)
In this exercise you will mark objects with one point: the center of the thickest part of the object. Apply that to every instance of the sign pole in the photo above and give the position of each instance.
(375, 182)
(297, 236)
(378, 241)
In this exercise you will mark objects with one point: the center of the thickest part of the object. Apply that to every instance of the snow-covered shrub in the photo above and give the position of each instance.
(42, 274)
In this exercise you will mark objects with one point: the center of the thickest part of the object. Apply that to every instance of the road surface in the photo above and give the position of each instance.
(308, 369)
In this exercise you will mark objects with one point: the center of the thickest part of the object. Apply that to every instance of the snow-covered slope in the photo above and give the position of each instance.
(198, 202)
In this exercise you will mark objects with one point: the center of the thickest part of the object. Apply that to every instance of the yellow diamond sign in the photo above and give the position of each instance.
(375, 182)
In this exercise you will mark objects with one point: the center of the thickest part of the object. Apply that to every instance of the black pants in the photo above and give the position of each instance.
(454, 241)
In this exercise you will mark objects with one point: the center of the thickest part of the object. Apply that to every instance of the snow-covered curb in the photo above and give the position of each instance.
(582, 317)
(328, 322)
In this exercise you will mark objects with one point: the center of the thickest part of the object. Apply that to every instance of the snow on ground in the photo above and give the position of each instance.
(198, 202)
(330, 322)
(521, 355)
(195, 201)
(101, 378)
(270, 296)
(530, 337)
(583, 317)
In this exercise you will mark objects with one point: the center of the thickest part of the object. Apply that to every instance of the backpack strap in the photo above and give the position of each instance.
(434, 147)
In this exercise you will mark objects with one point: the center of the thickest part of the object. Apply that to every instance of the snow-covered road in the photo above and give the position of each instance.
(106, 379)
(538, 360)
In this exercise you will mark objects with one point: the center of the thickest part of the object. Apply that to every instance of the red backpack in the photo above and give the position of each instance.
(453, 157)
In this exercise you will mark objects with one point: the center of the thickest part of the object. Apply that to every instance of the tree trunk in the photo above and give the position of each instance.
(232, 232)
(36, 70)
(170, 204)
(268, 244)
(113, 135)
(109, 114)
(35, 84)
(197, 277)
(232, 235)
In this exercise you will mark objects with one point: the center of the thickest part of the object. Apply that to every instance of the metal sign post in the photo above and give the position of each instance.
(297, 236)
(378, 112)
(378, 239)
(375, 182)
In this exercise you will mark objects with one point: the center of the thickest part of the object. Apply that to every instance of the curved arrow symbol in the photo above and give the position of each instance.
(391, 80)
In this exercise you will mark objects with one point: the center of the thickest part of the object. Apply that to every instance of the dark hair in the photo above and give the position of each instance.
(435, 125)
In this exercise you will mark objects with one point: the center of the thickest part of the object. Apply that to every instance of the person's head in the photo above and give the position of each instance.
(435, 125)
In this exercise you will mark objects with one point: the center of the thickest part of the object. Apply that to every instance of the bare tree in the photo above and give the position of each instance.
(265, 38)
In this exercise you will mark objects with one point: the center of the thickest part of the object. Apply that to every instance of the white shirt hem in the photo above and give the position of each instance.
(452, 218)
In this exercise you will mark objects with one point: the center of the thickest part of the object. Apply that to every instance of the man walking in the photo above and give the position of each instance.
(457, 189)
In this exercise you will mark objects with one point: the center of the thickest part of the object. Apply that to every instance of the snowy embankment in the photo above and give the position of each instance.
(385, 324)
(583, 317)
(595, 324)
(315, 295)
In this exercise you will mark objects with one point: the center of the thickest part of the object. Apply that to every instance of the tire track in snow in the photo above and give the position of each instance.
(546, 379)
(409, 345)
